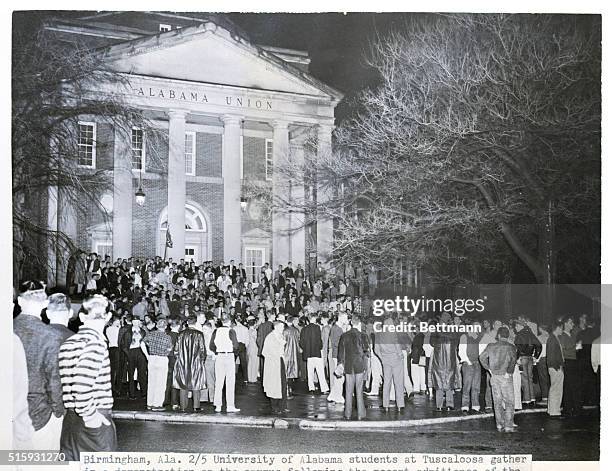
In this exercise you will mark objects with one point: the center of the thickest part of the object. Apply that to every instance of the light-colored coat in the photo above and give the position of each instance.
(273, 350)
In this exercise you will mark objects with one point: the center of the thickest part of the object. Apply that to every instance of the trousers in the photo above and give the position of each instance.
(209, 371)
(225, 374)
(337, 384)
(48, 437)
(376, 374)
(418, 377)
(158, 376)
(503, 401)
(543, 377)
(393, 373)
(555, 393)
(354, 384)
(447, 394)
(137, 361)
(407, 381)
(76, 438)
(242, 354)
(471, 386)
(571, 394)
(527, 391)
(314, 366)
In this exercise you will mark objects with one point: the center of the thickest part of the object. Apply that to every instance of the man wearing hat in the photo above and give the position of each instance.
(41, 345)
(84, 368)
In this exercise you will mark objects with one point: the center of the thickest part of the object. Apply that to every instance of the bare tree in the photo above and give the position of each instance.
(479, 146)
(52, 85)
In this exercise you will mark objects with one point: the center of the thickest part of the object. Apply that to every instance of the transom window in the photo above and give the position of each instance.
(194, 220)
(138, 149)
(190, 153)
(269, 158)
(87, 144)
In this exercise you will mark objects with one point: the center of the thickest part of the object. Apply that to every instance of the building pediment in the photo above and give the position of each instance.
(256, 233)
(208, 53)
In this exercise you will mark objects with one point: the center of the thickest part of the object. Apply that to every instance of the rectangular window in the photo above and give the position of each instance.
(164, 28)
(87, 145)
(190, 153)
(138, 149)
(254, 260)
(269, 158)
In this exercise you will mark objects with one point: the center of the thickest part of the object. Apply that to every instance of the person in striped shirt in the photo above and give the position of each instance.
(84, 369)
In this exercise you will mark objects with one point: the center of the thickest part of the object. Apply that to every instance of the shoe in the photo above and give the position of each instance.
(500, 428)
(149, 407)
(197, 409)
(449, 409)
(175, 407)
(218, 409)
(509, 430)
(386, 410)
(465, 412)
(372, 393)
(557, 417)
(400, 410)
(158, 409)
(233, 409)
(439, 409)
(514, 425)
(411, 396)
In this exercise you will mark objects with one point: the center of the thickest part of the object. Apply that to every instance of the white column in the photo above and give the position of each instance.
(298, 217)
(280, 188)
(325, 225)
(176, 183)
(123, 192)
(232, 228)
(51, 237)
(67, 224)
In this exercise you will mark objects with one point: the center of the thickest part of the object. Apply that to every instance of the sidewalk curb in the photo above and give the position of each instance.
(271, 422)
(388, 424)
(195, 418)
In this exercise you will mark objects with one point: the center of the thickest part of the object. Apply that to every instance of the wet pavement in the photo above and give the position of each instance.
(251, 401)
(546, 439)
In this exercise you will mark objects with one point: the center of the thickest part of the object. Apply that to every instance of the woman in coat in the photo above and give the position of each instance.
(274, 375)
(252, 357)
(190, 353)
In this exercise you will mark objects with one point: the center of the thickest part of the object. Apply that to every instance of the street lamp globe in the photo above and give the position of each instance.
(140, 197)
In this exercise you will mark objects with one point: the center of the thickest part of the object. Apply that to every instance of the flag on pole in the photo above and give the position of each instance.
(168, 238)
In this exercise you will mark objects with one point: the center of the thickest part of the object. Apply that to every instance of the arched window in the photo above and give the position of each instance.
(194, 219)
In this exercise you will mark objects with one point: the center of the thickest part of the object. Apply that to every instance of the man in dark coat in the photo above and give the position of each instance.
(312, 344)
(292, 350)
(190, 353)
(444, 365)
(262, 332)
(353, 354)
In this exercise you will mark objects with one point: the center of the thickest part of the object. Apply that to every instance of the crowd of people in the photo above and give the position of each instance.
(181, 335)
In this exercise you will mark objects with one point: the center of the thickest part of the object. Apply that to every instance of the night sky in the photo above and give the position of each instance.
(337, 43)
